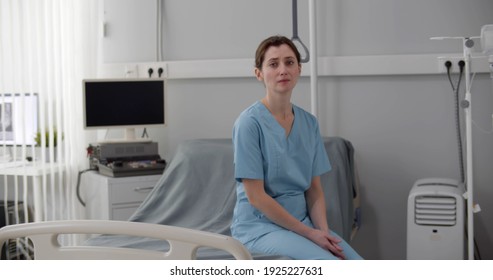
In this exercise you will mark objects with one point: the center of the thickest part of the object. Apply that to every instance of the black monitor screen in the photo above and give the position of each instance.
(124, 103)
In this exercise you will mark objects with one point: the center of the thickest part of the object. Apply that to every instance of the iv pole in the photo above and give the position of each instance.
(467, 44)
(466, 104)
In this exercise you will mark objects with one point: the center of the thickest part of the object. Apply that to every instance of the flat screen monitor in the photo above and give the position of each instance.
(124, 103)
(18, 119)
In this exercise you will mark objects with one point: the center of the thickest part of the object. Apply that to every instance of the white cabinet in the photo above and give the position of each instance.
(129, 31)
(110, 198)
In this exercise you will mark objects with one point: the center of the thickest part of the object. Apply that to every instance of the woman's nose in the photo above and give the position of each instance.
(283, 69)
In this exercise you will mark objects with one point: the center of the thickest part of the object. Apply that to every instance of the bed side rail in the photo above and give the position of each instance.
(183, 242)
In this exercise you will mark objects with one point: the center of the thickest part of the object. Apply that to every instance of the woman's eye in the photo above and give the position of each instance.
(273, 64)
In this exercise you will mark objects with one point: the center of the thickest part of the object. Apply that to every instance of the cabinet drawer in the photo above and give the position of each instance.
(123, 212)
(128, 193)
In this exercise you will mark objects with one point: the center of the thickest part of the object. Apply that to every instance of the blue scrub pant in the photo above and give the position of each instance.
(295, 246)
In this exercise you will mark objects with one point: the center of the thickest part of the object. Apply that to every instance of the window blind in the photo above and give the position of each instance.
(46, 48)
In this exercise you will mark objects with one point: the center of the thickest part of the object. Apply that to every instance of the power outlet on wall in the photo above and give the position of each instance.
(455, 63)
(153, 70)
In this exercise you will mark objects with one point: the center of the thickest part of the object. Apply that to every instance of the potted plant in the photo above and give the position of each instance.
(47, 134)
(37, 139)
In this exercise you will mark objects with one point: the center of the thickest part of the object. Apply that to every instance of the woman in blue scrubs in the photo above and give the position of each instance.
(279, 157)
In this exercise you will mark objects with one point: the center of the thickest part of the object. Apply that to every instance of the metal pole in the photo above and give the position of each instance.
(468, 44)
(314, 55)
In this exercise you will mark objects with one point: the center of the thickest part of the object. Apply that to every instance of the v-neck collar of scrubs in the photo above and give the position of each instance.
(276, 125)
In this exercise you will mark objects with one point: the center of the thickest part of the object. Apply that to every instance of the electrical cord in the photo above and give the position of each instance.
(455, 89)
(457, 120)
(448, 65)
(485, 131)
(78, 186)
(477, 253)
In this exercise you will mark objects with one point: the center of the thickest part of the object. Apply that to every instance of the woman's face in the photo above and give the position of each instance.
(280, 69)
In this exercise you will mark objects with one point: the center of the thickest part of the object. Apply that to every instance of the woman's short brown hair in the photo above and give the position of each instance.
(275, 41)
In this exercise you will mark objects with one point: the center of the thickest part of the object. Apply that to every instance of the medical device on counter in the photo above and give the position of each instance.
(126, 159)
(125, 104)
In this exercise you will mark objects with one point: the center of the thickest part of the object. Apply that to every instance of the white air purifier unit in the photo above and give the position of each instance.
(436, 220)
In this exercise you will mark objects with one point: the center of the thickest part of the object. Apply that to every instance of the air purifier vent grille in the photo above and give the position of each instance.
(435, 210)
(435, 220)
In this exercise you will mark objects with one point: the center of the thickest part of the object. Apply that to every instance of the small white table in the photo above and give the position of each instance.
(36, 171)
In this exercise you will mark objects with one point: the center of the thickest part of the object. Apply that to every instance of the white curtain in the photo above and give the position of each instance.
(46, 48)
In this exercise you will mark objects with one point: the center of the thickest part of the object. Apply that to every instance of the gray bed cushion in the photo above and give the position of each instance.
(197, 191)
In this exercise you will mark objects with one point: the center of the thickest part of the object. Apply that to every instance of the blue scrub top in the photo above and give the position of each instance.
(285, 164)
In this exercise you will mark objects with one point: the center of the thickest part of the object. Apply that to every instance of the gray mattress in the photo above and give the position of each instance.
(197, 191)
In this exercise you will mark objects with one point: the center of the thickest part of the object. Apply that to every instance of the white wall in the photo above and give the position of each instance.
(402, 126)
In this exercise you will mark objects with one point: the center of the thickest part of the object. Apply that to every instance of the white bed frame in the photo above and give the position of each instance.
(183, 242)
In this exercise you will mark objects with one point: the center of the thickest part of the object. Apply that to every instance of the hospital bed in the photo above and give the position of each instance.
(188, 213)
